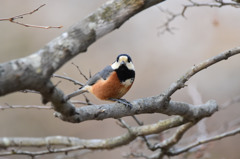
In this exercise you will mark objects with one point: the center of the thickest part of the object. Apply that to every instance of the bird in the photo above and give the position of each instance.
(111, 83)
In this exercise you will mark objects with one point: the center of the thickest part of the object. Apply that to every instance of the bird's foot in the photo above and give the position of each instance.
(122, 101)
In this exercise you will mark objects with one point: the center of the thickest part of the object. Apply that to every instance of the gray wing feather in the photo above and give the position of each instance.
(102, 74)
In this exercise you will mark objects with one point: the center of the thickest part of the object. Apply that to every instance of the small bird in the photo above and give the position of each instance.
(112, 82)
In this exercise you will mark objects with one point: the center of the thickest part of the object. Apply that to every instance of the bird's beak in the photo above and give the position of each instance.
(122, 63)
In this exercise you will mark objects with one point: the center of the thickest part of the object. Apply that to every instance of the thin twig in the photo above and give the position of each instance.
(82, 74)
(200, 142)
(8, 106)
(22, 15)
(166, 26)
(124, 124)
(216, 4)
(87, 100)
(69, 79)
(140, 123)
(180, 83)
(149, 145)
(90, 74)
(12, 20)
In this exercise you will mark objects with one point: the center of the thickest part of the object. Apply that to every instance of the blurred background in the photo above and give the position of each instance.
(159, 59)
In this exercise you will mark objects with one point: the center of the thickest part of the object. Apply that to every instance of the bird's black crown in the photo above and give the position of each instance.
(129, 58)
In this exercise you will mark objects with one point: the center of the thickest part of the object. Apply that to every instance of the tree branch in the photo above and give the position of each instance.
(69, 79)
(7, 106)
(207, 140)
(199, 67)
(13, 20)
(166, 27)
(79, 144)
(166, 144)
(142, 106)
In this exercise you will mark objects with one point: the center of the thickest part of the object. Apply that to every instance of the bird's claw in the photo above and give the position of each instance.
(124, 102)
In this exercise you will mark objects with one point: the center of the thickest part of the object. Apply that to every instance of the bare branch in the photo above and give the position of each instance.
(7, 106)
(80, 144)
(199, 67)
(166, 144)
(210, 139)
(124, 124)
(38, 153)
(82, 74)
(22, 15)
(13, 20)
(87, 100)
(141, 106)
(215, 3)
(166, 26)
(69, 79)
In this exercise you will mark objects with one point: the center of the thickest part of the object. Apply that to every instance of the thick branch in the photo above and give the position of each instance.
(94, 143)
(141, 106)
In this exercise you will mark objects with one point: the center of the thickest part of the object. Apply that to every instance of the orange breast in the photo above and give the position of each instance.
(109, 88)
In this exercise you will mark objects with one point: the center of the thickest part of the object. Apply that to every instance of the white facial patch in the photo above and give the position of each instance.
(128, 82)
(130, 66)
(115, 65)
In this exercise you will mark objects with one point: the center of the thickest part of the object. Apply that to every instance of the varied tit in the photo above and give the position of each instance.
(112, 82)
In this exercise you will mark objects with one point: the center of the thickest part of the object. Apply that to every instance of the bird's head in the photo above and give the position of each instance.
(123, 60)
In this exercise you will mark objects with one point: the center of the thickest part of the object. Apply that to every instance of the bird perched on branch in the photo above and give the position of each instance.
(112, 82)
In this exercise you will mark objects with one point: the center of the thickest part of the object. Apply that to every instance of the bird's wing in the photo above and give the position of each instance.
(102, 74)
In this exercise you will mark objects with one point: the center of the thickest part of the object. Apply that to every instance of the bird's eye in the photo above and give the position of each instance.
(129, 59)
